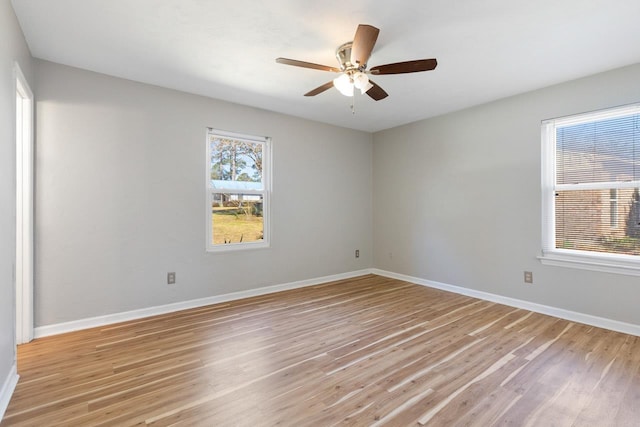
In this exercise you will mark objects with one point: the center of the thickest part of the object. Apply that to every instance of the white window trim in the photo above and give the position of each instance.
(594, 261)
(265, 192)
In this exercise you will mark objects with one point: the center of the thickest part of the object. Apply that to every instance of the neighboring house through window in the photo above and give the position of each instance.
(238, 191)
(591, 181)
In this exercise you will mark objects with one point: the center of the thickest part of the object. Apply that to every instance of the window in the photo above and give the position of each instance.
(613, 208)
(238, 190)
(591, 190)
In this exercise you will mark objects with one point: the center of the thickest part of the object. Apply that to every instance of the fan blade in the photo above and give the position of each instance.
(303, 64)
(363, 42)
(405, 67)
(320, 89)
(376, 92)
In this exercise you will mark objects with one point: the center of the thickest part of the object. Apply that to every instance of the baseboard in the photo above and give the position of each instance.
(587, 319)
(7, 389)
(76, 325)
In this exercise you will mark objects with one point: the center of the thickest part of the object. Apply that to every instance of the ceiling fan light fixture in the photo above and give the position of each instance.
(361, 81)
(344, 84)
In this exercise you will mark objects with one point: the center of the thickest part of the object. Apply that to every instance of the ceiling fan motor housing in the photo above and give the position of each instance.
(343, 54)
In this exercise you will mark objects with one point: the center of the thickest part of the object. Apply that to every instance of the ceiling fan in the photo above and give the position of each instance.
(352, 57)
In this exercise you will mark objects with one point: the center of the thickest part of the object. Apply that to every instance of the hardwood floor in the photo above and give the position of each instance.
(368, 351)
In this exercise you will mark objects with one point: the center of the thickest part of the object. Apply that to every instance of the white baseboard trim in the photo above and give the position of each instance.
(108, 319)
(587, 319)
(6, 391)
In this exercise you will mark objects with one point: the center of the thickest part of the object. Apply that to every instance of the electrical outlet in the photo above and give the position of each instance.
(528, 277)
(357, 253)
(171, 278)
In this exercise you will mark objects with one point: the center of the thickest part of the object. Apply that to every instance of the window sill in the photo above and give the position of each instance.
(627, 265)
(235, 247)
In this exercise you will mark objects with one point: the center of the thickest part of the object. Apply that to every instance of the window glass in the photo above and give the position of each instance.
(237, 218)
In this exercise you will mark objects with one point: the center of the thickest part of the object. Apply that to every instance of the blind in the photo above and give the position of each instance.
(600, 151)
(597, 174)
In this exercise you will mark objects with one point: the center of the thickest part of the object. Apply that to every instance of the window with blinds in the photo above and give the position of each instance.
(591, 182)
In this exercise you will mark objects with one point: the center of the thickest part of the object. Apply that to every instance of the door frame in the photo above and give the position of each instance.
(24, 273)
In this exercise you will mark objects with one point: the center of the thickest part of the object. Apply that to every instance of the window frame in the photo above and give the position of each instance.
(595, 261)
(265, 192)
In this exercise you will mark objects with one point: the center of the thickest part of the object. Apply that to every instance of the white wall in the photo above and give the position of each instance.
(457, 199)
(12, 48)
(120, 197)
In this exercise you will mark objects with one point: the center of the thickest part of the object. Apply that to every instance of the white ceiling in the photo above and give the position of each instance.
(226, 49)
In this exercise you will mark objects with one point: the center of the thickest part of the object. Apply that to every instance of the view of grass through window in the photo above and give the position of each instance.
(236, 220)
